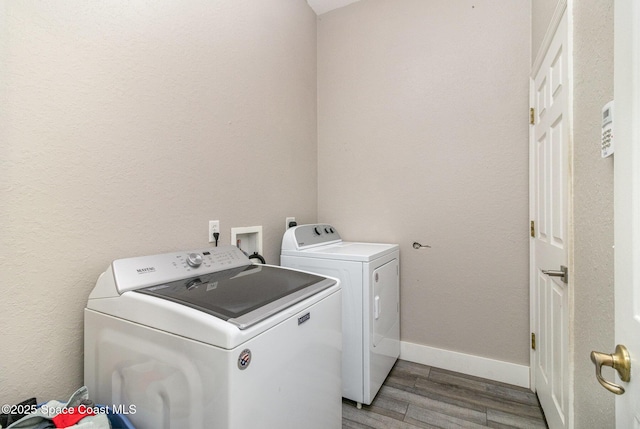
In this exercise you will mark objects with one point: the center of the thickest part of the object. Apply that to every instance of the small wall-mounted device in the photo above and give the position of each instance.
(607, 130)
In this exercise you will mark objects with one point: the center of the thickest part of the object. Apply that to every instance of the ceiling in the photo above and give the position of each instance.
(324, 6)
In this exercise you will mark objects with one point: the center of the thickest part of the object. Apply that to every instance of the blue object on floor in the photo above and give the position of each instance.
(118, 421)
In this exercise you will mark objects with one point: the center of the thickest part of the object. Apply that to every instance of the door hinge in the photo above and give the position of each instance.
(533, 341)
(532, 116)
(533, 229)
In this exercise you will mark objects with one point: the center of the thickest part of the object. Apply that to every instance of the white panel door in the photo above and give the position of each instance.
(627, 203)
(549, 186)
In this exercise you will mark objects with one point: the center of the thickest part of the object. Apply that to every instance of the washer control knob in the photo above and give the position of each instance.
(317, 231)
(194, 259)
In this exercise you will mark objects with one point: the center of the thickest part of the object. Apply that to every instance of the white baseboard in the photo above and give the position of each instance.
(491, 369)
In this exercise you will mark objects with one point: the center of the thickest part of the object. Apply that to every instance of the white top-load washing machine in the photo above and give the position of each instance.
(369, 274)
(204, 339)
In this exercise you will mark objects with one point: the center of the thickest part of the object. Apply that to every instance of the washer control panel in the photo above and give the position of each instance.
(304, 236)
(143, 271)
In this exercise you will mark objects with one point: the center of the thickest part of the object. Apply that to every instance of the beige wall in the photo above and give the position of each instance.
(123, 131)
(423, 136)
(593, 211)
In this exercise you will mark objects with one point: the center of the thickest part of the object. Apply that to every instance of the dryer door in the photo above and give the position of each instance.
(384, 322)
(386, 307)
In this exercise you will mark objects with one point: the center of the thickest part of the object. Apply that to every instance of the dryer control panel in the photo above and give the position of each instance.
(305, 236)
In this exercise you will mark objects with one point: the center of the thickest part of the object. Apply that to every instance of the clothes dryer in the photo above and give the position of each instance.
(370, 277)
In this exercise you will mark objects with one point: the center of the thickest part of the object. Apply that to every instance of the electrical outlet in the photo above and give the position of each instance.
(214, 226)
(288, 221)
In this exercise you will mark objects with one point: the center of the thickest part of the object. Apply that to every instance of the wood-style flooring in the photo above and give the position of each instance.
(419, 396)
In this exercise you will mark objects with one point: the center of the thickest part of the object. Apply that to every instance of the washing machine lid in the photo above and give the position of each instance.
(244, 295)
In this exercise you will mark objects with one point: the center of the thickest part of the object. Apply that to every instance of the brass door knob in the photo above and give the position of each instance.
(620, 361)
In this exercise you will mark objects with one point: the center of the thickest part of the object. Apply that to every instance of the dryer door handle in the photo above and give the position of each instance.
(376, 307)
